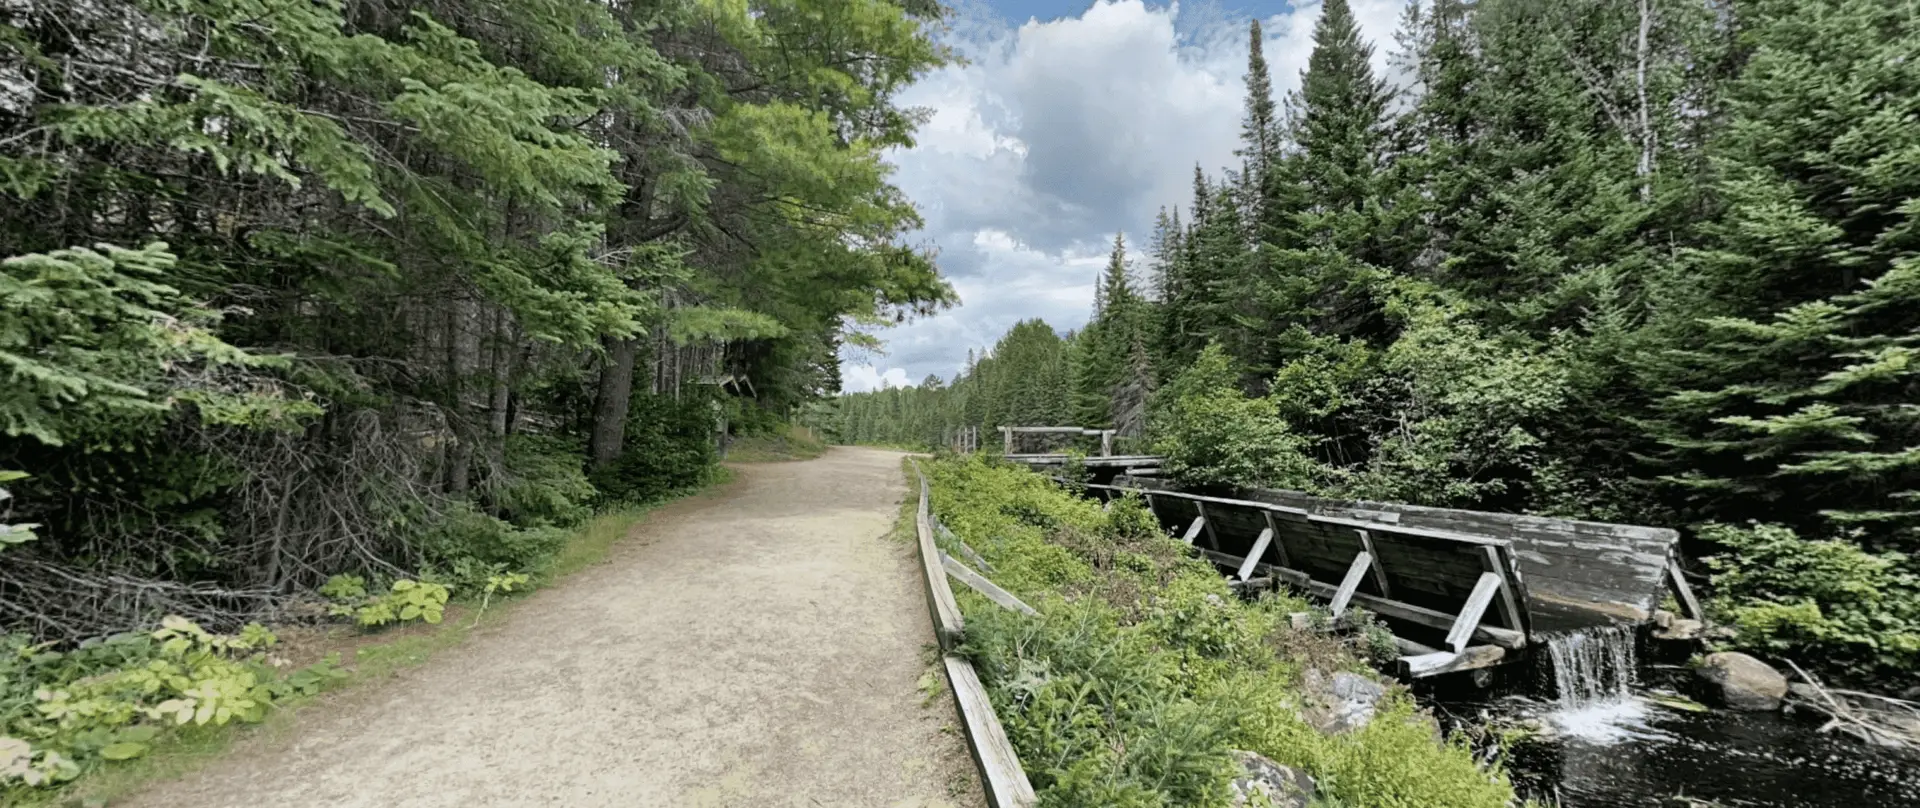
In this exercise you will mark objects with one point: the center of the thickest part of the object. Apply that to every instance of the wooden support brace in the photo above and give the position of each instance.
(1199, 522)
(1379, 572)
(1509, 605)
(1350, 584)
(1253, 556)
(1213, 541)
(1476, 608)
(1439, 662)
(1682, 591)
(1279, 544)
(1007, 433)
(974, 581)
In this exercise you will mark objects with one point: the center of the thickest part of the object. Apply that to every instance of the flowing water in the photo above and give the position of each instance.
(1607, 738)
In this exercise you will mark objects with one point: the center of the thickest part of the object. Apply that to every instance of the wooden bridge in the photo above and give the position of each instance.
(1462, 590)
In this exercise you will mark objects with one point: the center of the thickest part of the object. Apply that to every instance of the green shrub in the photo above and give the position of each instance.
(1212, 434)
(1143, 672)
(64, 712)
(1825, 602)
(545, 483)
(405, 601)
(669, 448)
(467, 545)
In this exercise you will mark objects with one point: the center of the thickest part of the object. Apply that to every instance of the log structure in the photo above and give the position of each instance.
(1462, 589)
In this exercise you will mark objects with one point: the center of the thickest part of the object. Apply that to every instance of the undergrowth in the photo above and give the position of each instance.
(1143, 671)
(783, 442)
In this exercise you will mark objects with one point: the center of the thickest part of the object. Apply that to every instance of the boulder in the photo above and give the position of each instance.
(1282, 786)
(1741, 682)
(1342, 703)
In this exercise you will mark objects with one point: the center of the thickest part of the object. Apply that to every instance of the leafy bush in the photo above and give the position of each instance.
(466, 546)
(669, 447)
(405, 601)
(1825, 602)
(1143, 671)
(545, 484)
(65, 712)
(1212, 434)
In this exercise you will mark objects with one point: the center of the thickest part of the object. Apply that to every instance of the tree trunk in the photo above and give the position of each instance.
(462, 346)
(1644, 171)
(504, 353)
(612, 401)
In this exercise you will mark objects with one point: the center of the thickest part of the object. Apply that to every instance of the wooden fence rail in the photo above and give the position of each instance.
(1004, 782)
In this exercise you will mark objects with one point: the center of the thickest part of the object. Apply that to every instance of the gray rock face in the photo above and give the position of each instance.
(1340, 704)
(1283, 786)
(1741, 682)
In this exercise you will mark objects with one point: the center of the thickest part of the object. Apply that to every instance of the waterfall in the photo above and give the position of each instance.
(1593, 666)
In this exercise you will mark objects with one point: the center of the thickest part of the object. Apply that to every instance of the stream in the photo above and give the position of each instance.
(1601, 732)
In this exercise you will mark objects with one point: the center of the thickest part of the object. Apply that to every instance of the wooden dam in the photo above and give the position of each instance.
(1462, 590)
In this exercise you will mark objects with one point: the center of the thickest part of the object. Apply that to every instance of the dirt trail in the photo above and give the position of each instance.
(760, 645)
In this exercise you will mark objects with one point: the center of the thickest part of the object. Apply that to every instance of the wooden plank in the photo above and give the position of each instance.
(1279, 544)
(948, 626)
(1379, 571)
(1351, 585)
(1476, 608)
(1007, 434)
(1509, 605)
(1005, 782)
(1213, 540)
(979, 584)
(1254, 555)
(1439, 662)
(1689, 604)
(1193, 530)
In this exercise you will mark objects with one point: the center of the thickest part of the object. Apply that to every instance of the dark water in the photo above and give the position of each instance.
(1604, 740)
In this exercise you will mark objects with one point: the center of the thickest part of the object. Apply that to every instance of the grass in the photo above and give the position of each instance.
(1142, 671)
(368, 659)
(792, 442)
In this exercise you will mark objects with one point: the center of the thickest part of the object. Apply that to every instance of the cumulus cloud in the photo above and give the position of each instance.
(867, 378)
(1056, 134)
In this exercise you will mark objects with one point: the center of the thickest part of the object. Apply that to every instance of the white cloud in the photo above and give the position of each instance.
(1057, 134)
(865, 378)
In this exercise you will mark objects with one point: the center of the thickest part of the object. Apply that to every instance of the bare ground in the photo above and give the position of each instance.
(758, 646)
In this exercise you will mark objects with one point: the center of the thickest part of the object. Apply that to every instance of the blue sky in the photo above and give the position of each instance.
(1070, 120)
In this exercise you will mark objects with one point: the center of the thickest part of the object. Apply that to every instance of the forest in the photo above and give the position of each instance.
(1646, 262)
(298, 290)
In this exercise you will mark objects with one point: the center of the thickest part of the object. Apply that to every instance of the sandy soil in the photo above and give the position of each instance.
(758, 646)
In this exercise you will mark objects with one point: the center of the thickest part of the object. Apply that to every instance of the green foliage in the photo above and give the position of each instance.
(1213, 434)
(545, 483)
(670, 447)
(63, 713)
(405, 601)
(1817, 600)
(1143, 670)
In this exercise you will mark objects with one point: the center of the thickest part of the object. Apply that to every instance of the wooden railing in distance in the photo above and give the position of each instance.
(1001, 777)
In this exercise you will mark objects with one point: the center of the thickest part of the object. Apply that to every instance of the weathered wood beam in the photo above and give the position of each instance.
(948, 626)
(1509, 605)
(1351, 584)
(1682, 591)
(979, 584)
(1194, 529)
(1253, 556)
(1006, 783)
(1476, 608)
(1279, 544)
(1379, 571)
(1213, 540)
(1439, 662)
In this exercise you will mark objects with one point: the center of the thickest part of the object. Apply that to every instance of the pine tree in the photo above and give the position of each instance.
(1797, 401)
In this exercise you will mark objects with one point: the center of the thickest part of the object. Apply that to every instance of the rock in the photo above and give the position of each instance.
(1741, 682)
(1680, 628)
(1283, 786)
(1911, 693)
(1341, 704)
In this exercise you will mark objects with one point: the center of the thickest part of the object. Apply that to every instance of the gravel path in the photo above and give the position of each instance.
(759, 645)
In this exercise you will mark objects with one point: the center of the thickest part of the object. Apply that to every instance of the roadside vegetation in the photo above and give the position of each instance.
(1144, 672)
(320, 311)
(1639, 262)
